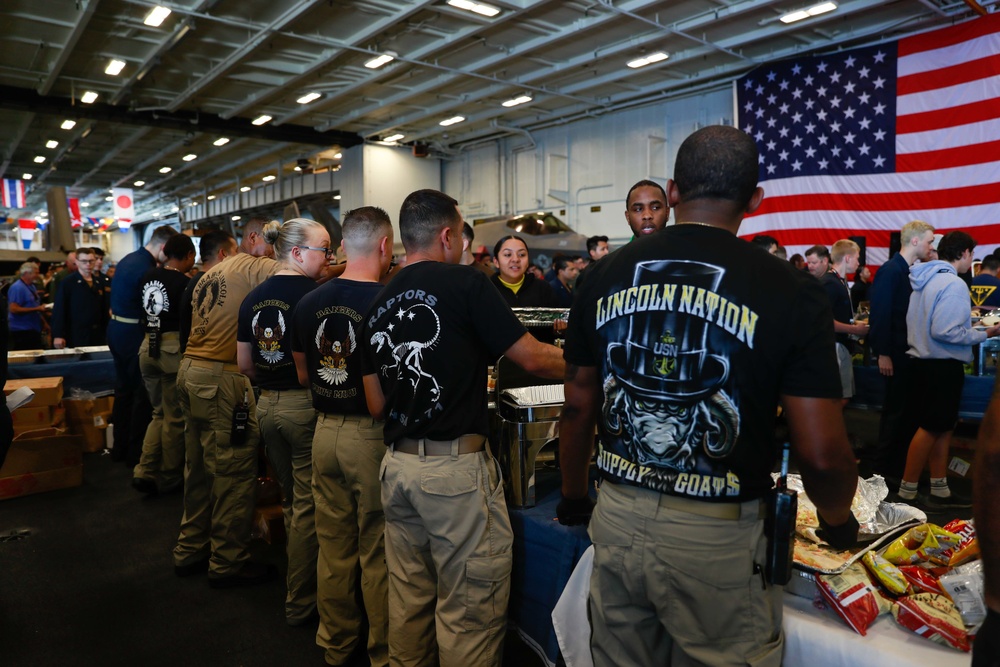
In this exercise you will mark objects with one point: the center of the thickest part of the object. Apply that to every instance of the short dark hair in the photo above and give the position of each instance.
(33, 260)
(646, 183)
(559, 262)
(717, 162)
(990, 263)
(363, 227)
(99, 251)
(764, 241)
(423, 214)
(178, 246)
(954, 244)
(162, 234)
(499, 244)
(594, 241)
(214, 241)
(819, 251)
(467, 233)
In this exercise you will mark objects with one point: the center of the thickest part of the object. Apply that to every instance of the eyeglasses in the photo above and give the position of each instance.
(329, 252)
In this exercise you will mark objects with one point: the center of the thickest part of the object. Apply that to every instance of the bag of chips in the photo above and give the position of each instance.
(886, 573)
(926, 542)
(920, 578)
(933, 616)
(968, 545)
(967, 591)
(852, 596)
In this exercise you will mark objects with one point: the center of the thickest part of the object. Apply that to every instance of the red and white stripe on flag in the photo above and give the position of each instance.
(13, 193)
(943, 165)
(124, 206)
(76, 220)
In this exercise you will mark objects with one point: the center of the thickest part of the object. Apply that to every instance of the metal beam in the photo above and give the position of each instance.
(89, 6)
(15, 142)
(113, 153)
(206, 79)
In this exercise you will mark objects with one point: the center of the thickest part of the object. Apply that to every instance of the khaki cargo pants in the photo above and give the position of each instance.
(220, 478)
(162, 459)
(674, 588)
(287, 421)
(347, 453)
(448, 549)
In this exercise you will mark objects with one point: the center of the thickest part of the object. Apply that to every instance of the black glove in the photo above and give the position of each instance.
(575, 511)
(843, 536)
(986, 651)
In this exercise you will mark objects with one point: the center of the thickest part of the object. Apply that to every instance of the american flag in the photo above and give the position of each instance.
(12, 195)
(860, 142)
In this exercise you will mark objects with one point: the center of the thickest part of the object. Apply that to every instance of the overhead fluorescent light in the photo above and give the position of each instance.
(268, 178)
(236, 217)
(165, 170)
(221, 141)
(523, 99)
(39, 159)
(211, 197)
(480, 8)
(108, 198)
(452, 121)
(297, 168)
(139, 184)
(336, 197)
(68, 124)
(338, 155)
(175, 209)
(85, 204)
(815, 10)
(88, 97)
(26, 177)
(648, 60)
(393, 137)
(386, 57)
(260, 120)
(189, 157)
(156, 16)
(310, 97)
(245, 188)
(115, 67)
(51, 143)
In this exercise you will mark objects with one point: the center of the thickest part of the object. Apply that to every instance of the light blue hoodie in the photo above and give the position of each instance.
(939, 319)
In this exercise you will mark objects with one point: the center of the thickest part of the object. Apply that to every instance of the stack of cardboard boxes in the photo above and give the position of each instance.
(43, 455)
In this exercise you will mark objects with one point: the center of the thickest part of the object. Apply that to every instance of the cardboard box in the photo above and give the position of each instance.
(89, 419)
(31, 418)
(48, 391)
(41, 460)
(269, 524)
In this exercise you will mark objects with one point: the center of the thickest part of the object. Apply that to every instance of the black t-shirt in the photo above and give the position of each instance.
(429, 336)
(840, 302)
(695, 334)
(265, 323)
(162, 290)
(327, 328)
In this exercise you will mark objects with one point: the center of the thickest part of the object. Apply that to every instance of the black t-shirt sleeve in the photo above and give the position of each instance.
(243, 332)
(495, 322)
(811, 368)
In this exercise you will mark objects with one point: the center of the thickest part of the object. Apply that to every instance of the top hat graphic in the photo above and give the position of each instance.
(664, 357)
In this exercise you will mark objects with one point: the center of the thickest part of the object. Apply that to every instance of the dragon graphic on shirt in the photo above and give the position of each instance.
(333, 354)
(269, 338)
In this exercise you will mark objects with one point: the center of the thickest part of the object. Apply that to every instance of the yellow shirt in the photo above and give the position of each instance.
(215, 306)
(513, 287)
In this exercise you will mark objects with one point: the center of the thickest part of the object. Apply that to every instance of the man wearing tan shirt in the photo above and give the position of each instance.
(222, 436)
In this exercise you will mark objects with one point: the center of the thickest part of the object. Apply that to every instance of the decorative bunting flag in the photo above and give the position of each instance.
(74, 212)
(27, 232)
(13, 193)
(124, 206)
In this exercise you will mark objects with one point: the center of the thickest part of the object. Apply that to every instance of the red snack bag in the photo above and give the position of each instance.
(933, 616)
(920, 578)
(852, 596)
(967, 547)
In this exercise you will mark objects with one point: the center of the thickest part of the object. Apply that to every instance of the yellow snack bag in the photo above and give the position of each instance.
(886, 573)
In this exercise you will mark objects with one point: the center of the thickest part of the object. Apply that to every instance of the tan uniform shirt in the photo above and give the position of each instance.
(216, 305)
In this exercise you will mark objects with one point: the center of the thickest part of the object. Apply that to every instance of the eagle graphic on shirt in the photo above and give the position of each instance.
(333, 354)
(269, 338)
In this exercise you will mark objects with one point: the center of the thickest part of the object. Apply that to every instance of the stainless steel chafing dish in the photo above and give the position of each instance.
(525, 421)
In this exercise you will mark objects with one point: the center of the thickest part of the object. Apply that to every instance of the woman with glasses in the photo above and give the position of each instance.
(284, 410)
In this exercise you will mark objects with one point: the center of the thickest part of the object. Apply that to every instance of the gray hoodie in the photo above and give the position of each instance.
(939, 319)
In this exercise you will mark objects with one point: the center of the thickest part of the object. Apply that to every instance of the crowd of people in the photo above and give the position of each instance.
(372, 408)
